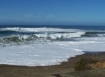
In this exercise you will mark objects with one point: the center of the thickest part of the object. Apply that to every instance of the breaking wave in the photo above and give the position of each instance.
(44, 29)
(94, 34)
(40, 37)
(18, 35)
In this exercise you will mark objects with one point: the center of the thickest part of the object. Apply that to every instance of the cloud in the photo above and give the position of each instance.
(64, 19)
(50, 16)
(5, 18)
(31, 16)
(53, 17)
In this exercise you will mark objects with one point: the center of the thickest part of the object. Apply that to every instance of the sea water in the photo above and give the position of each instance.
(48, 45)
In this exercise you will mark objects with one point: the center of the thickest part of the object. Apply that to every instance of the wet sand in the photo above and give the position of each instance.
(65, 69)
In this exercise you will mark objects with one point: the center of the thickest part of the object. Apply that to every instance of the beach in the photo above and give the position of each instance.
(65, 69)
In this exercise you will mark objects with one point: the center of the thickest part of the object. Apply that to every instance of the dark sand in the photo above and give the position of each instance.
(66, 69)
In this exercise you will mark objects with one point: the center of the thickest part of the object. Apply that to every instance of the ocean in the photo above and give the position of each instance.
(48, 45)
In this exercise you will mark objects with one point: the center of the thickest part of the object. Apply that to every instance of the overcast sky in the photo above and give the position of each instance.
(52, 12)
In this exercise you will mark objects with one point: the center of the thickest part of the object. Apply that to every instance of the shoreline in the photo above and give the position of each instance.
(85, 53)
(45, 71)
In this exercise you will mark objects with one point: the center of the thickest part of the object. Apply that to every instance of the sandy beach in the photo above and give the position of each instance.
(65, 69)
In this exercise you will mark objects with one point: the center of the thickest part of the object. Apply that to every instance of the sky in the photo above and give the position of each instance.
(52, 12)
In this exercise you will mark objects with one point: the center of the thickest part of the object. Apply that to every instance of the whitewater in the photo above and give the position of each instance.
(47, 46)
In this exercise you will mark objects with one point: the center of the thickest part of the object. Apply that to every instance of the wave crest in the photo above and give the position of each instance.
(40, 37)
(44, 29)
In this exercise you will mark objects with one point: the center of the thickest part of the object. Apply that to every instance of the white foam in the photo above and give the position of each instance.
(40, 37)
(47, 54)
(61, 35)
(101, 35)
(44, 29)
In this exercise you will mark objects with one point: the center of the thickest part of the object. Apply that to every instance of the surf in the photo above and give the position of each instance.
(46, 46)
